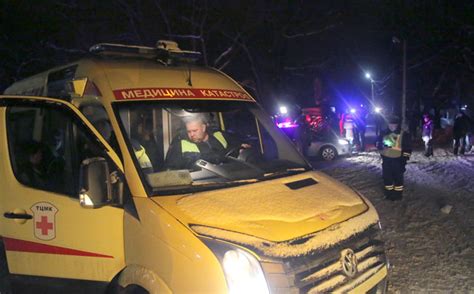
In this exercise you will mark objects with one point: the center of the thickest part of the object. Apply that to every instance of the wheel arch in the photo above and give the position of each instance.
(143, 277)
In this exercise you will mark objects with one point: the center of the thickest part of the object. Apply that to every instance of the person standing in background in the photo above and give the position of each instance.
(460, 130)
(395, 154)
(360, 119)
(427, 134)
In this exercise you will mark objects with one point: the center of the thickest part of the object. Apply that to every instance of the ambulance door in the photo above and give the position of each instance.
(45, 230)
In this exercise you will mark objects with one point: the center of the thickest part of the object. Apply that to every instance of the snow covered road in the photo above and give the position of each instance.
(430, 233)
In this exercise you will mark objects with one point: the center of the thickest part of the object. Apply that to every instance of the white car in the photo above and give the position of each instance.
(328, 147)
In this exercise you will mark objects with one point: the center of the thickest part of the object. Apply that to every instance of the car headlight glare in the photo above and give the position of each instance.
(342, 142)
(243, 273)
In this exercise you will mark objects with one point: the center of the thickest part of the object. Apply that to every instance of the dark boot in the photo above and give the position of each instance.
(427, 150)
(396, 195)
(455, 147)
(388, 194)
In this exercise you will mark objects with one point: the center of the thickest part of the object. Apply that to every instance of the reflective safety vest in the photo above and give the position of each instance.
(392, 145)
(187, 146)
(143, 159)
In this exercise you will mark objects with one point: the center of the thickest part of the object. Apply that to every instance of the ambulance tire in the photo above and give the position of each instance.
(130, 289)
(134, 289)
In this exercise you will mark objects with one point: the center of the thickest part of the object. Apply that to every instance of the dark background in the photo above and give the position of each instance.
(283, 51)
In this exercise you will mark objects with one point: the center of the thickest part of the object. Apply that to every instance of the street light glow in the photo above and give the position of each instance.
(372, 82)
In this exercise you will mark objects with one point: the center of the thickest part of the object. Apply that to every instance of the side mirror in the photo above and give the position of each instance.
(95, 185)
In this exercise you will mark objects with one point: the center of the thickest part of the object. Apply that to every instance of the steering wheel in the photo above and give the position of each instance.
(232, 150)
(244, 154)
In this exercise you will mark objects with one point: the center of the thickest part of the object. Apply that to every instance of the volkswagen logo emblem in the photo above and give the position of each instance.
(349, 262)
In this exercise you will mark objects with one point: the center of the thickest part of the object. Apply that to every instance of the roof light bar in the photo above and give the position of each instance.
(120, 48)
(166, 51)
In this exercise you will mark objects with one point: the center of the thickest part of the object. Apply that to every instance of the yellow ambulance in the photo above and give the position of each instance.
(136, 170)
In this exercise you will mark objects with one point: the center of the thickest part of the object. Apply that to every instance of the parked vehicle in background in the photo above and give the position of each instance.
(328, 147)
(313, 134)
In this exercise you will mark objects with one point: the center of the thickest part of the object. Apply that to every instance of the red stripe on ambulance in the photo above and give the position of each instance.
(166, 93)
(33, 247)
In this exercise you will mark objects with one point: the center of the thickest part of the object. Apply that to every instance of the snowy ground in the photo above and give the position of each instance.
(431, 249)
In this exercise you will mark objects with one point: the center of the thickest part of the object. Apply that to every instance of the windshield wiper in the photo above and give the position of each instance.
(201, 186)
(288, 171)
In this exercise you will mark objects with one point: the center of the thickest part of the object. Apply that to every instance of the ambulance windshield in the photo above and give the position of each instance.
(197, 145)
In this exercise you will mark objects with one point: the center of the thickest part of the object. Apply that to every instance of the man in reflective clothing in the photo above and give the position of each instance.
(199, 144)
(142, 157)
(98, 117)
(395, 154)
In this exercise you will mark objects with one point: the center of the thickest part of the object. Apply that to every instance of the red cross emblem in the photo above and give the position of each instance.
(44, 220)
(44, 225)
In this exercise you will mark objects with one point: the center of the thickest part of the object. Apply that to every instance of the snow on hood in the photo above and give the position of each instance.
(318, 241)
(268, 210)
(270, 200)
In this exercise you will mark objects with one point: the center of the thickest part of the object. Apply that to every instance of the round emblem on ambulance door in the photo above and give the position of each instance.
(349, 262)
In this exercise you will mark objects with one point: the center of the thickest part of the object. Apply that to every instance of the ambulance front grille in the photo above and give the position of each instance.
(322, 272)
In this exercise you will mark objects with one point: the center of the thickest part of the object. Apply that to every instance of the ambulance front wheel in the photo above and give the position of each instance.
(115, 288)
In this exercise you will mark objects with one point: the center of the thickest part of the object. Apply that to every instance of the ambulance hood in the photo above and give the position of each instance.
(275, 211)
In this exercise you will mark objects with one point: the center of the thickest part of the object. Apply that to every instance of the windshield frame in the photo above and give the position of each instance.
(176, 190)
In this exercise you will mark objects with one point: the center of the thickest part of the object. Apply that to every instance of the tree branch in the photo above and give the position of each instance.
(306, 34)
(309, 66)
(163, 16)
(195, 37)
(132, 16)
(67, 50)
(227, 52)
(467, 59)
(223, 55)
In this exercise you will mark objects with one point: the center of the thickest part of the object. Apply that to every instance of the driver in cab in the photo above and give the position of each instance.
(198, 143)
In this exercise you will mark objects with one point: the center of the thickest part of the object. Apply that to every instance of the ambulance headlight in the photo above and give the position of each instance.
(242, 270)
(243, 273)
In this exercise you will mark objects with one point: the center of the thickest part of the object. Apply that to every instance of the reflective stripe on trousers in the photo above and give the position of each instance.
(398, 188)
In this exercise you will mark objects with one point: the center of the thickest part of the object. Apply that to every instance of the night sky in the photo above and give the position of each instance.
(277, 49)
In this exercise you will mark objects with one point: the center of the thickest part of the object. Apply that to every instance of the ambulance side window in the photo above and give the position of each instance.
(47, 145)
(59, 83)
